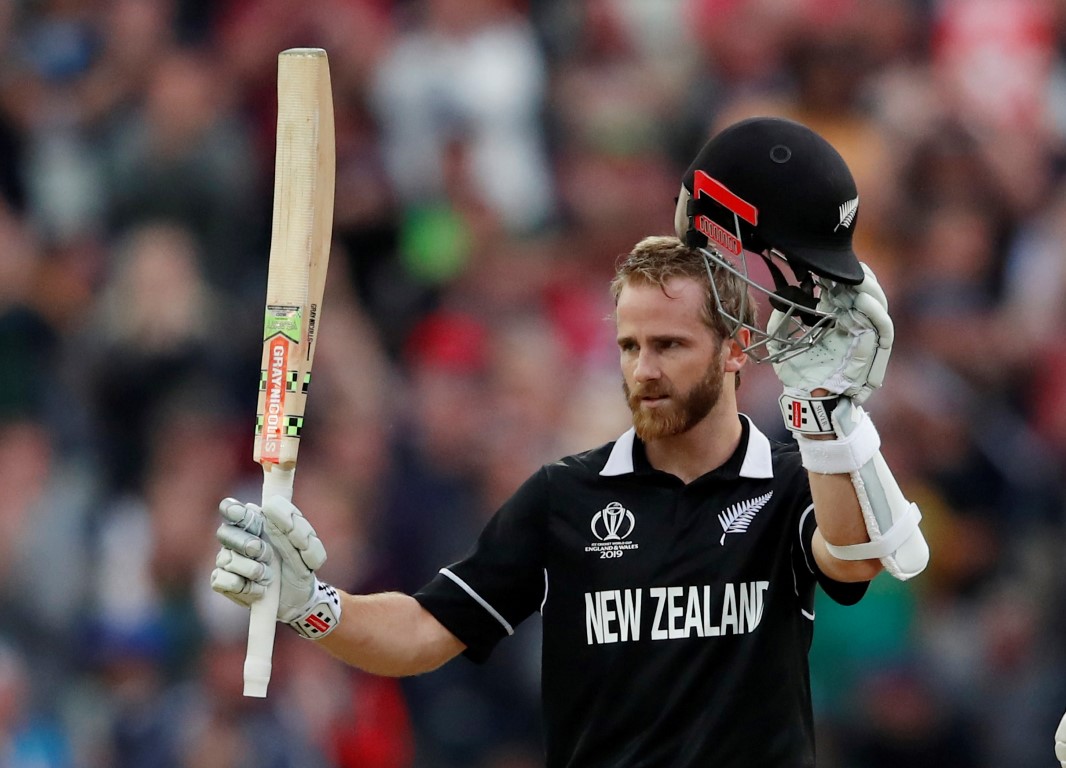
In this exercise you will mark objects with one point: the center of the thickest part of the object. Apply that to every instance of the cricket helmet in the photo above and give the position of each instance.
(774, 188)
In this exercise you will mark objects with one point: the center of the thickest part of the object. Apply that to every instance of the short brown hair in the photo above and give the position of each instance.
(658, 259)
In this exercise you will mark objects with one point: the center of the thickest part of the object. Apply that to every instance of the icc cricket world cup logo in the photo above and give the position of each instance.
(612, 523)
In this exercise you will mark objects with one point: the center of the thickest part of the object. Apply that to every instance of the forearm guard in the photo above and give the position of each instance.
(891, 521)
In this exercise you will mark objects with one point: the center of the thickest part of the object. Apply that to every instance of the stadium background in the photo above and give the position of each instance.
(494, 158)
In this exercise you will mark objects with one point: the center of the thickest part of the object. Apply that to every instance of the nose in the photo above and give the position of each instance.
(647, 366)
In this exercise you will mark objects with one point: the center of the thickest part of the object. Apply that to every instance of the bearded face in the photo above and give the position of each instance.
(673, 363)
(680, 411)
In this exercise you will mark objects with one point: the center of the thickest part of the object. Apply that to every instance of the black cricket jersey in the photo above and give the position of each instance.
(677, 618)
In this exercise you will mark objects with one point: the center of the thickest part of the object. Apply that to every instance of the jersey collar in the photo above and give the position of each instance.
(756, 464)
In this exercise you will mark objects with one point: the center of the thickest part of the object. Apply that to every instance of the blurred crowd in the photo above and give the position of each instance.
(495, 157)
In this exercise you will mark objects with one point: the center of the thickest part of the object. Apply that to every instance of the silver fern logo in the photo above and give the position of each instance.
(847, 213)
(738, 517)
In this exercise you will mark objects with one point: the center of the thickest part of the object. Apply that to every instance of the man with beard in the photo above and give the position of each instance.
(675, 567)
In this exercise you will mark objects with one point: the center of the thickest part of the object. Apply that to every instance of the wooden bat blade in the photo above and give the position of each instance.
(301, 233)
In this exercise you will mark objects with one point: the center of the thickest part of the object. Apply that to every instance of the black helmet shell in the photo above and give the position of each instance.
(790, 191)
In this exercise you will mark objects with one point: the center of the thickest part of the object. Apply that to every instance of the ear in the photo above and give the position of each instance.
(735, 356)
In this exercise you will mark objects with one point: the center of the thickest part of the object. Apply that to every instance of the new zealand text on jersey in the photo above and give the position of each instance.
(615, 615)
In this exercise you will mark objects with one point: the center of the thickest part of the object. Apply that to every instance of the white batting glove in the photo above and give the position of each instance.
(259, 545)
(851, 358)
(1060, 741)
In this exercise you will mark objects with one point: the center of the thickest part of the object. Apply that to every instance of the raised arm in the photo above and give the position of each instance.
(385, 634)
(840, 522)
(864, 520)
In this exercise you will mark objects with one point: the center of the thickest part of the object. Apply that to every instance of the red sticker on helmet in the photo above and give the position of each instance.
(717, 235)
(702, 184)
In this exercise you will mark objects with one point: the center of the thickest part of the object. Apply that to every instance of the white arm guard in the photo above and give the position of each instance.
(891, 520)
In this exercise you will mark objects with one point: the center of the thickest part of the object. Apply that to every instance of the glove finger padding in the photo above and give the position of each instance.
(869, 285)
(242, 579)
(852, 357)
(300, 552)
(875, 316)
(231, 586)
(240, 589)
(878, 316)
(843, 295)
(253, 571)
(290, 522)
(773, 328)
(233, 538)
(245, 516)
(243, 564)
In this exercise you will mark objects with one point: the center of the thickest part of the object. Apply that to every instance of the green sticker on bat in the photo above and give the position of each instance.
(292, 379)
(292, 426)
(284, 320)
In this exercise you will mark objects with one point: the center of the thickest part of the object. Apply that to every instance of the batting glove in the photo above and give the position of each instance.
(851, 358)
(260, 545)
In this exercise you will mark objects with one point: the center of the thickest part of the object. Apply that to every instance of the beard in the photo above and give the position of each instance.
(684, 411)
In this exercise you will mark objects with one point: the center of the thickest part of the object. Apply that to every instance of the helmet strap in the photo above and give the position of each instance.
(801, 296)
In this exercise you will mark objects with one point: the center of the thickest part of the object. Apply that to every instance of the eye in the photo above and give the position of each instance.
(627, 345)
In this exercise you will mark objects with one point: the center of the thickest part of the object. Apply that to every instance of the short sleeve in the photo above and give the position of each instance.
(841, 592)
(481, 598)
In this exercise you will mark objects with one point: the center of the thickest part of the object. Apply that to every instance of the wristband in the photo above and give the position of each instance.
(805, 414)
(847, 453)
(322, 614)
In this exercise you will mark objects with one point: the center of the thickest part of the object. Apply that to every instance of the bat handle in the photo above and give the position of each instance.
(263, 620)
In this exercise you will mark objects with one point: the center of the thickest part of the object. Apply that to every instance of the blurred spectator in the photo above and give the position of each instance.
(361, 721)
(29, 338)
(157, 338)
(132, 37)
(467, 72)
(183, 158)
(149, 546)
(136, 718)
(439, 497)
(901, 721)
(994, 58)
(826, 62)
(355, 403)
(44, 514)
(1016, 668)
(27, 740)
(438, 447)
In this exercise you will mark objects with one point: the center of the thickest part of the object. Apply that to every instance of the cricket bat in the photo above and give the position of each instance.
(304, 177)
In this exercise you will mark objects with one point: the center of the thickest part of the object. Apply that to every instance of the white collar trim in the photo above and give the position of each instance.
(620, 462)
(757, 462)
(757, 459)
